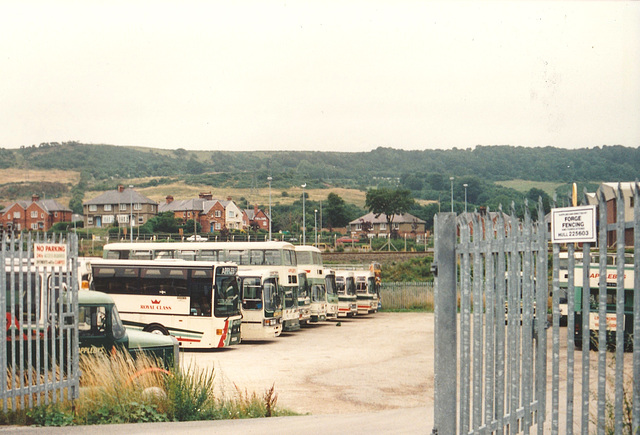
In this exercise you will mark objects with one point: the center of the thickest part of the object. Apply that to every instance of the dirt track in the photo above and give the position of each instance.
(377, 362)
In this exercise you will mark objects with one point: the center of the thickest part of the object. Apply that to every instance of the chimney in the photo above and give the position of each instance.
(206, 195)
(169, 199)
(255, 210)
(35, 197)
(228, 198)
(120, 188)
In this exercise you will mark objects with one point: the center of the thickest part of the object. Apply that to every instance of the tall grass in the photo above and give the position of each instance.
(120, 389)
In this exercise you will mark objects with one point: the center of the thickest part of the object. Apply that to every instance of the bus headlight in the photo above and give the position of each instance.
(270, 322)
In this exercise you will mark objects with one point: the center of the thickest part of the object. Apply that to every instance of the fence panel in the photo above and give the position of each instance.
(39, 294)
(406, 295)
(509, 324)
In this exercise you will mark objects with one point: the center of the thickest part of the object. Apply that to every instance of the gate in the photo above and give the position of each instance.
(39, 294)
(498, 325)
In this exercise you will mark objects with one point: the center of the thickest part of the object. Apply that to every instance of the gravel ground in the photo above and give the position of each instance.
(382, 361)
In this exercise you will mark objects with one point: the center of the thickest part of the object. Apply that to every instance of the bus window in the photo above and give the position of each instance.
(271, 295)
(200, 287)
(139, 255)
(227, 296)
(209, 255)
(251, 294)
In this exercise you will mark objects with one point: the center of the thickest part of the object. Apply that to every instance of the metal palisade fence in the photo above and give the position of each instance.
(504, 363)
(39, 294)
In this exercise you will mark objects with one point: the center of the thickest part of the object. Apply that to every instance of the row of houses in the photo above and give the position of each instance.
(126, 207)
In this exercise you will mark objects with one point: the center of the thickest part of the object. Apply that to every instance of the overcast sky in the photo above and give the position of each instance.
(320, 75)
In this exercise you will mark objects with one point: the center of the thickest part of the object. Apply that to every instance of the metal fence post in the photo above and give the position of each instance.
(445, 271)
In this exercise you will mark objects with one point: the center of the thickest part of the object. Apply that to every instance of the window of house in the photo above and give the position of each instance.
(55, 214)
(123, 207)
(217, 226)
(90, 220)
(218, 214)
(396, 226)
(141, 219)
(93, 207)
(383, 226)
(34, 213)
(42, 215)
(123, 218)
(107, 219)
(34, 226)
(137, 206)
(358, 227)
(231, 214)
(16, 215)
(107, 207)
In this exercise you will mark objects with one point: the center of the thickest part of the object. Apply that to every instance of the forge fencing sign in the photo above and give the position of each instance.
(50, 254)
(573, 224)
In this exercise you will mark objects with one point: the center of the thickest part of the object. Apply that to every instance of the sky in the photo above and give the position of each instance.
(348, 75)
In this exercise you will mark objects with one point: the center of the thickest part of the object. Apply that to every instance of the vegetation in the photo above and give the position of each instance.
(118, 389)
(425, 174)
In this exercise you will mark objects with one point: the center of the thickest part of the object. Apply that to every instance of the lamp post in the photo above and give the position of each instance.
(451, 179)
(131, 211)
(269, 180)
(465, 185)
(304, 225)
(315, 226)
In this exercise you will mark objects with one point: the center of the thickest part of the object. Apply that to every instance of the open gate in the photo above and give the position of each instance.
(498, 325)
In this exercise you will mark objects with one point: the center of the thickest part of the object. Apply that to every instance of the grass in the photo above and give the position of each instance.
(120, 389)
(525, 185)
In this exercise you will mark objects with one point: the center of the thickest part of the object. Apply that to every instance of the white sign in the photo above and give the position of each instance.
(573, 224)
(50, 254)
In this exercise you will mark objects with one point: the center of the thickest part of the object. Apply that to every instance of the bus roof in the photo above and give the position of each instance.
(197, 246)
(307, 248)
(93, 297)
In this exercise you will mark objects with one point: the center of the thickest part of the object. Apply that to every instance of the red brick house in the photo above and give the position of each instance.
(37, 215)
(255, 218)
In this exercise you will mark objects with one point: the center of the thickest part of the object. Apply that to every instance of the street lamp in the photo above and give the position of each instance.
(315, 226)
(131, 210)
(465, 185)
(304, 225)
(451, 179)
(269, 180)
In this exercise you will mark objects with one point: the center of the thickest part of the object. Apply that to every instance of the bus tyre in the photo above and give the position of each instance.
(156, 329)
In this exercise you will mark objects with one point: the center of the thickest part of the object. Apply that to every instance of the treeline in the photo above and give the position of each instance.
(491, 163)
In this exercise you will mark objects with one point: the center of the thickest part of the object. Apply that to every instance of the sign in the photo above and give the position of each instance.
(50, 254)
(611, 320)
(573, 224)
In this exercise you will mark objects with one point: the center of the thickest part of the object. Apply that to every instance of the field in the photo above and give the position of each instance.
(525, 185)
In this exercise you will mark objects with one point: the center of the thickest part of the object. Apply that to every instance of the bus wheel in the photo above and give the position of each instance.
(156, 329)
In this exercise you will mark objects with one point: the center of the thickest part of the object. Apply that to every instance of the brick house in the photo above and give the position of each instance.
(255, 218)
(37, 215)
(403, 224)
(117, 207)
(609, 192)
(212, 214)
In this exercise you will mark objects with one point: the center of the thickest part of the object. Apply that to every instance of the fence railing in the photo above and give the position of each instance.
(406, 295)
(38, 293)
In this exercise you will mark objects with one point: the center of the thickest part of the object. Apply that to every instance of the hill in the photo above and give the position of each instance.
(494, 175)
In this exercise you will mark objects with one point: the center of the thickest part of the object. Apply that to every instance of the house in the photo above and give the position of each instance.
(404, 225)
(37, 215)
(118, 207)
(212, 214)
(255, 218)
(609, 192)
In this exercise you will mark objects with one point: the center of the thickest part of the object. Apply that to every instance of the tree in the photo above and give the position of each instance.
(336, 212)
(389, 202)
(164, 222)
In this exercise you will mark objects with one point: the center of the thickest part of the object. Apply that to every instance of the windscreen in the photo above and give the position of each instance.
(227, 299)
